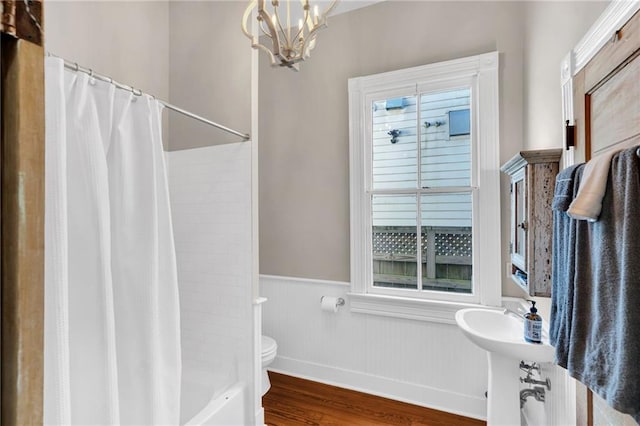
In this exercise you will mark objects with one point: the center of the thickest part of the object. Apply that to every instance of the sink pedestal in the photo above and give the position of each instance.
(500, 334)
(503, 407)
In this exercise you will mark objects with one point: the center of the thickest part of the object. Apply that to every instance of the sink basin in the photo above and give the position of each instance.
(501, 333)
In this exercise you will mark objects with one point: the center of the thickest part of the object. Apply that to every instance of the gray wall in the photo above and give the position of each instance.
(551, 30)
(128, 41)
(191, 53)
(303, 120)
(549, 36)
(210, 71)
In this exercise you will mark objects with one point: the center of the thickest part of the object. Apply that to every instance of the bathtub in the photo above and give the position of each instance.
(225, 409)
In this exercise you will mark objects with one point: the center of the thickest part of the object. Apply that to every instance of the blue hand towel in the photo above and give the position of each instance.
(604, 330)
(563, 261)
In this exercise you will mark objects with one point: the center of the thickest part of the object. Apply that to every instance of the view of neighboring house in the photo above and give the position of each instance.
(442, 124)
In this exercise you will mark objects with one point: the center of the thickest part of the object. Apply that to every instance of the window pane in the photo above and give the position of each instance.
(395, 244)
(445, 140)
(446, 242)
(395, 147)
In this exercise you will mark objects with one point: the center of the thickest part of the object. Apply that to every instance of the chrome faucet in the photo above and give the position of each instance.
(529, 369)
(508, 311)
(537, 393)
(531, 381)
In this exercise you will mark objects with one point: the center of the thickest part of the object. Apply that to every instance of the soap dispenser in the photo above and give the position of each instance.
(533, 325)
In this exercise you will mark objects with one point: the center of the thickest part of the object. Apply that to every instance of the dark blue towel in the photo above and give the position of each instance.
(563, 261)
(603, 345)
(565, 189)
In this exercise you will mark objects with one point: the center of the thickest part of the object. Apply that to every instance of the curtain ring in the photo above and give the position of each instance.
(92, 80)
(77, 67)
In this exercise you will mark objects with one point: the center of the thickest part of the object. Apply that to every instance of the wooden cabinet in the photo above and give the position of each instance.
(533, 177)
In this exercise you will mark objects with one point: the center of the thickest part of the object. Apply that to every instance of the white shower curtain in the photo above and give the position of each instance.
(112, 325)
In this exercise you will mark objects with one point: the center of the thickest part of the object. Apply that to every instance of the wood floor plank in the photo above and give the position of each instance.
(296, 402)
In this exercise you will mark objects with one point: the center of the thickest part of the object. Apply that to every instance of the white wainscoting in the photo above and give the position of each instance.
(425, 363)
(560, 400)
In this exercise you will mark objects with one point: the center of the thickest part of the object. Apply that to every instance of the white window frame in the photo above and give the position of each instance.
(480, 73)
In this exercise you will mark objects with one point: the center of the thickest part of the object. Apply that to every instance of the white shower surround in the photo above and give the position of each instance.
(211, 204)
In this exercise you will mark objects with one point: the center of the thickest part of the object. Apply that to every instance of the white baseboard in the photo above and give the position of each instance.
(411, 393)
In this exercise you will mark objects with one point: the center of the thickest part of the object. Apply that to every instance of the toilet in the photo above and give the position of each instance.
(269, 349)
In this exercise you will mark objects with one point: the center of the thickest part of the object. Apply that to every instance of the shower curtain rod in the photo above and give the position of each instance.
(137, 92)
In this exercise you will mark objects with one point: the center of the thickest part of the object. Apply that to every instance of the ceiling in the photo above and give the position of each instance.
(347, 5)
(343, 6)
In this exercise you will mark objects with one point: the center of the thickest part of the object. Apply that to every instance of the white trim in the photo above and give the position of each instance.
(612, 19)
(417, 309)
(256, 387)
(617, 13)
(255, 390)
(570, 400)
(367, 353)
(566, 76)
(259, 417)
(356, 180)
(264, 277)
(480, 73)
(411, 393)
(406, 307)
(441, 71)
(487, 217)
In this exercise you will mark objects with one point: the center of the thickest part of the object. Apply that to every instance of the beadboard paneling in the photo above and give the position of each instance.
(425, 363)
(560, 403)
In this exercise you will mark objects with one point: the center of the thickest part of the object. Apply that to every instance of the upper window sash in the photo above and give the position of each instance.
(469, 81)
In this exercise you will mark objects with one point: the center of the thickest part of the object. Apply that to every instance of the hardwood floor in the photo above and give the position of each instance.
(292, 401)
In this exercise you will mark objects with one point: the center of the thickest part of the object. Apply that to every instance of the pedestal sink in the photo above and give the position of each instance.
(501, 335)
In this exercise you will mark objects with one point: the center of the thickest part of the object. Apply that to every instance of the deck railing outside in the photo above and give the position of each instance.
(445, 258)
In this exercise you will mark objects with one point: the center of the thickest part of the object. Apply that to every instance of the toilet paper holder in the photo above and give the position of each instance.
(339, 301)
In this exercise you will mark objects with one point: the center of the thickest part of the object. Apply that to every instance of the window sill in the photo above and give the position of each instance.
(408, 308)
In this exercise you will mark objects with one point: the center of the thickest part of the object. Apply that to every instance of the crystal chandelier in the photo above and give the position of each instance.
(288, 44)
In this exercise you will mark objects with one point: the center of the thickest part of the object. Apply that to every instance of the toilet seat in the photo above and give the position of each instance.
(269, 348)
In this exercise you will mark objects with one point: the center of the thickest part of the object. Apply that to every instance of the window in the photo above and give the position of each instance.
(424, 164)
(459, 122)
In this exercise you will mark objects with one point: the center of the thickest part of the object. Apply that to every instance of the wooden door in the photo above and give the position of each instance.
(606, 100)
(607, 95)
(21, 212)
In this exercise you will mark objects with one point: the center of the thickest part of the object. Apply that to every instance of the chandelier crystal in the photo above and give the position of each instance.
(288, 44)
